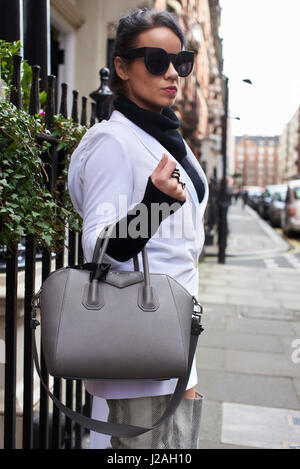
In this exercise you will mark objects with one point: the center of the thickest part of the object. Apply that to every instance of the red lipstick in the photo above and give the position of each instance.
(171, 90)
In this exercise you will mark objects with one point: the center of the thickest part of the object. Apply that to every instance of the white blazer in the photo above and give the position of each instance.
(108, 175)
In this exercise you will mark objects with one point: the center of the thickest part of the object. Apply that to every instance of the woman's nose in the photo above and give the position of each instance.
(171, 72)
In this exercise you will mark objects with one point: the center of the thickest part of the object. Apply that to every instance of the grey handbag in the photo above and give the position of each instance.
(98, 323)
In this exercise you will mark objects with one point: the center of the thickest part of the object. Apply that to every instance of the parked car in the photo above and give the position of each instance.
(254, 193)
(277, 206)
(291, 214)
(266, 199)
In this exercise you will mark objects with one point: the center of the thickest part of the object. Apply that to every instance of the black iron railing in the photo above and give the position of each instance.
(43, 428)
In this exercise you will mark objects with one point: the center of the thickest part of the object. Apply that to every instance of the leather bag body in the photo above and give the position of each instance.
(113, 335)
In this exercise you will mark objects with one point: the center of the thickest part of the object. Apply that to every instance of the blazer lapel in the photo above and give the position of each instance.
(157, 150)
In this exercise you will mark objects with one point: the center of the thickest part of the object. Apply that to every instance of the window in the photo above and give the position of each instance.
(297, 193)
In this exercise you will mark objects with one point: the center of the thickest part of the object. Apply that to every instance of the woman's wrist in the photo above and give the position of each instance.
(155, 195)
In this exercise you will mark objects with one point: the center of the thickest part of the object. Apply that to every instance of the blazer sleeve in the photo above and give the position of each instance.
(107, 181)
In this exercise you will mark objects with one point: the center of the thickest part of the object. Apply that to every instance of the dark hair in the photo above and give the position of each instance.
(130, 26)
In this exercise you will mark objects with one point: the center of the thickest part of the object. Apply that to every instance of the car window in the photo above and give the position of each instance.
(277, 196)
(297, 193)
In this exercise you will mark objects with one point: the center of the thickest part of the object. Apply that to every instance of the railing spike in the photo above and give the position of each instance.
(34, 105)
(63, 103)
(50, 109)
(93, 114)
(83, 119)
(16, 89)
(75, 106)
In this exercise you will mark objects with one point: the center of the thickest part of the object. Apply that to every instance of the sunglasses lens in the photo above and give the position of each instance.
(184, 63)
(157, 62)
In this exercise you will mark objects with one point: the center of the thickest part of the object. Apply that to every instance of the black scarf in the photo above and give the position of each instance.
(163, 127)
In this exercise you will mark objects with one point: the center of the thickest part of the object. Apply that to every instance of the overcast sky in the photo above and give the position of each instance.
(261, 40)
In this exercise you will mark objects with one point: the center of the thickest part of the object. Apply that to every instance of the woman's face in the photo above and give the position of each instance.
(144, 89)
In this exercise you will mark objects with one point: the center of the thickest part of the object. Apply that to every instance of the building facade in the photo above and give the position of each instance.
(289, 152)
(73, 40)
(257, 160)
(200, 103)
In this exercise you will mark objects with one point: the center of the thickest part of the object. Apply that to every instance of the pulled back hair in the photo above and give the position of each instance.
(130, 26)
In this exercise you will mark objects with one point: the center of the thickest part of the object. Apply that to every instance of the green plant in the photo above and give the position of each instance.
(7, 51)
(26, 205)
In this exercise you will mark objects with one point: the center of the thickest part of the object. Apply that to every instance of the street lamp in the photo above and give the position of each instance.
(223, 202)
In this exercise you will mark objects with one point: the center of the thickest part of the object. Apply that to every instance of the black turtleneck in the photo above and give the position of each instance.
(163, 127)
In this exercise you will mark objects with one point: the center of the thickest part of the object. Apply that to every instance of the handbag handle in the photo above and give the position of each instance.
(149, 298)
(102, 239)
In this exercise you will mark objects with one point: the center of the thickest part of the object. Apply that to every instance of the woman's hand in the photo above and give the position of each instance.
(161, 178)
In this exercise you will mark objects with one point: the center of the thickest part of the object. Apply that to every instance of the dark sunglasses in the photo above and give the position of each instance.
(157, 60)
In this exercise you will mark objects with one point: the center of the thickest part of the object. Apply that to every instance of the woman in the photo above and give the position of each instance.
(138, 158)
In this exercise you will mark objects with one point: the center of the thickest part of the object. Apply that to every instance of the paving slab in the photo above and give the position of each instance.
(281, 314)
(220, 310)
(254, 300)
(229, 290)
(211, 358)
(261, 363)
(296, 382)
(211, 322)
(211, 420)
(260, 427)
(217, 445)
(216, 298)
(296, 328)
(287, 345)
(236, 341)
(260, 326)
(272, 391)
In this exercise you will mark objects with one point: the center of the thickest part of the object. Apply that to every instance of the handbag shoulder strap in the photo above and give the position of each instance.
(124, 430)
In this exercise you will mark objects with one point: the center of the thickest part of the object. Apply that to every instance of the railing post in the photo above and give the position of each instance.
(36, 36)
(34, 105)
(10, 24)
(93, 114)
(46, 263)
(74, 114)
(57, 383)
(63, 103)
(83, 119)
(30, 255)
(102, 96)
(11, 305)
(16, 89)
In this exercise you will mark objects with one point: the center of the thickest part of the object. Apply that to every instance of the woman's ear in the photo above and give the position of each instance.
(121, 68)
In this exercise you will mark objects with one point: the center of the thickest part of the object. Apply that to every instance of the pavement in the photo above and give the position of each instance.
(249, 235)
(248, 357)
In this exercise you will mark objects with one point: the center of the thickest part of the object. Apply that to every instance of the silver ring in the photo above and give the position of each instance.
(176, 174)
